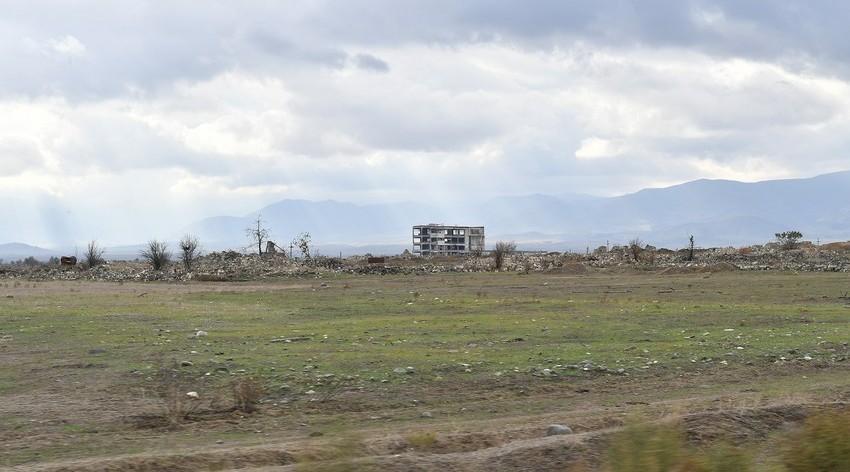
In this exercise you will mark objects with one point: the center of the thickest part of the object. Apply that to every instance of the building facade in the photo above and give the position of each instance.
(434, 239)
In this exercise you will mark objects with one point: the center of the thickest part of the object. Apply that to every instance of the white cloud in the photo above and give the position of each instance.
(596, 148)
(67, 46)
(243, 106)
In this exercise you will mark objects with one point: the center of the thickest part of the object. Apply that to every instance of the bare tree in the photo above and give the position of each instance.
(189, 251)
(691, 248)
(636, 248)
(302, 242)
(157, 254)
(257, 233)
(502, 250)
(94, 254)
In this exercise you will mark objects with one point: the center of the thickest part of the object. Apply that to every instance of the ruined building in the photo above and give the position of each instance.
(434, 239)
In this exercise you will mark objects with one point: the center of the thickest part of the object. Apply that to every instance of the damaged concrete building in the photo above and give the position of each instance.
(436, 239)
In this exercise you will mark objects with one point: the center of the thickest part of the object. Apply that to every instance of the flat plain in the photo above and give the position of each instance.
(449, 371)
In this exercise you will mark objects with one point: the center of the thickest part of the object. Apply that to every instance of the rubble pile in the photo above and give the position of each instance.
(236, 266)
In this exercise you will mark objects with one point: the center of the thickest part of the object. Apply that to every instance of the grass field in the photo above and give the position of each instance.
(437, 364)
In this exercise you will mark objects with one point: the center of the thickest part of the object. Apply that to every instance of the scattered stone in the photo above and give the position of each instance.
(186, 363)
(97, 350)
(193, 395)
(426, 414)
(231, 265)
(558, 429)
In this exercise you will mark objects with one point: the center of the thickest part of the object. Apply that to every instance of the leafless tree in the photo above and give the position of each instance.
(636, 248)
(502, 250)
(302, 242)
(94, 254)
(189, 251)
(257, 233)
(691, 248)
(157, 254)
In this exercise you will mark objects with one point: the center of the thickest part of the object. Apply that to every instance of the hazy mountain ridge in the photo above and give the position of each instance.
(715, 212)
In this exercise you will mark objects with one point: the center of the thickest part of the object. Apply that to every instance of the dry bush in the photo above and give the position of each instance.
(172, 386)
(94, 254)
(653, 447)
(745, 250)
(156, 254)
(189, 252)
(247, 393)
(343, 454)
(822, 445)
(636, 248)
(502, 250)
(423, 441)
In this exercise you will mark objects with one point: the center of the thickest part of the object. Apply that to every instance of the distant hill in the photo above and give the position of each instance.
(716, 212)
(10, 252)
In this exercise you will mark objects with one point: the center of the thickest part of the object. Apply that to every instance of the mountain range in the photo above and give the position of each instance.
(717, 213)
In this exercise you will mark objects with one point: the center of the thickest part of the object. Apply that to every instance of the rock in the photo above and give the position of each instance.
(186, 363)
(200, 334)
(558, 429)
(193, 395)
(403, 370)
(426, 414)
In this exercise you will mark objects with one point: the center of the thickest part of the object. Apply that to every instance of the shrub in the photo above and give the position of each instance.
(173, 387)
(247, 392)
(650, 447)
(189, 251)
(94, 254)
(788, 239)
(502, 250)
(423, 441)
(822, 445)
(636, 248)
(157, 254)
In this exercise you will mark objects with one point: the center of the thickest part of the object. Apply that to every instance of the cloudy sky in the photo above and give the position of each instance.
(124, 121)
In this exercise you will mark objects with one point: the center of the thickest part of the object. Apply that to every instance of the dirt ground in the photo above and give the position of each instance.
(712, 405)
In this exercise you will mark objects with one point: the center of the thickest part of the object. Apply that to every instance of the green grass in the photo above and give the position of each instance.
(433, 324)
(468, 337)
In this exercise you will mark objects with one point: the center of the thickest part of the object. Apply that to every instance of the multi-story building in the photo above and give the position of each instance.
(434, 239)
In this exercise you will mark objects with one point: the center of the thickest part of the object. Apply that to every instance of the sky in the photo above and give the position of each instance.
(126, 121)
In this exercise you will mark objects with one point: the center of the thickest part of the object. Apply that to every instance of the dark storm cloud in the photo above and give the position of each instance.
(144, 45)
(370, 62)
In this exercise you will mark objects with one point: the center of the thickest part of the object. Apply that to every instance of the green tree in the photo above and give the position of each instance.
(788, 239)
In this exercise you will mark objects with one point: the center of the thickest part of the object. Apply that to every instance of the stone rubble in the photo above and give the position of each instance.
(236, 266)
